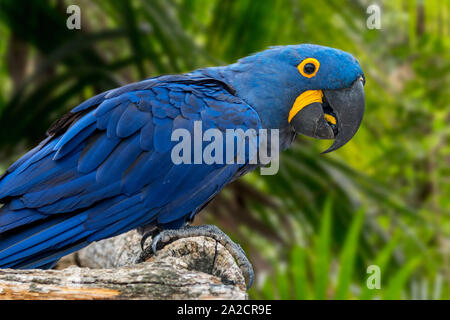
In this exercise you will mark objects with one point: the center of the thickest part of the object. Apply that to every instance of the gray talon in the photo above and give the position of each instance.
(155, 241)
(210, 231)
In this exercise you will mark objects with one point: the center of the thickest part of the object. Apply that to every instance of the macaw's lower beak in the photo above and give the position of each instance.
(331, 114)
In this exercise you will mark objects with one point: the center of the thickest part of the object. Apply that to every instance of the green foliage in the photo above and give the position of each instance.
(322, 246)
(319, 273)
(347, 257)
(305, 226)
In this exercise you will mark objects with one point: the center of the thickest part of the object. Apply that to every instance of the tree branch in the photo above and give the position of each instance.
(191, 268)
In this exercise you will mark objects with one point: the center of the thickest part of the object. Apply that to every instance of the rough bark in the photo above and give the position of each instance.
(192, 268)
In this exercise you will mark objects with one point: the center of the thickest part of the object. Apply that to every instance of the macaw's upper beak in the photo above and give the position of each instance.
(336, 116)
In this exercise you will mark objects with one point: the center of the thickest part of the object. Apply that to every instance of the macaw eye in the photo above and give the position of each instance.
(309, 67)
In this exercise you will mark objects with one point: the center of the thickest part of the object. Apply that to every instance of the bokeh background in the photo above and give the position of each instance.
(313, 229)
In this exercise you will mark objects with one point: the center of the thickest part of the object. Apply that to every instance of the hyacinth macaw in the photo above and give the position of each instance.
(105, 168)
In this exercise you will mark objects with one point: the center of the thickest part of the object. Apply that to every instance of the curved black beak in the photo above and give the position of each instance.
(345, 108)
(348, 105)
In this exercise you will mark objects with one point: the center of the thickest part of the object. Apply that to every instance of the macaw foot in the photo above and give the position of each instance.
(167, 236)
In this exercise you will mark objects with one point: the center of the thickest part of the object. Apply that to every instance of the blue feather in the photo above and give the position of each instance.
(98, 215)
(162, 94)
(40, 154)
(146, 140)
(161, 110)
(48, 260)
(119, 160)
(162, 134)
(45, 235)
(96, 151)
(84, 199)
(30, 154)
(90, 102)
(195, 197)
(59, 191)
(36, 174)
(76, 128)
(137, 217)
(147, 168)
(39, 243)
(109, 104)
(111, 128)
(102, 122)
(158, 195)
(125, 215)
(10, 219)
(131, 121)
(75, 142)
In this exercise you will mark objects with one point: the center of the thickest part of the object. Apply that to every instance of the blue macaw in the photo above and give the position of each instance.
(105, 168)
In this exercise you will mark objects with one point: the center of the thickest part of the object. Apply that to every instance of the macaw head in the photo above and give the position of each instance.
(309, 89)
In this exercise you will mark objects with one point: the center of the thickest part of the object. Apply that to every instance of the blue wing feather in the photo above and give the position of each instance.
(10, 219)
(146, 140)
(161, 134)
(131, 121)
(75, 141)
(96, 151)
(111, 128)
(119, 160)
(84, 199)
(54, 193)
(74, 130)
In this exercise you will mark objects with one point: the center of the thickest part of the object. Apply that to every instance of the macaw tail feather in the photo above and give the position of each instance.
(41, 243)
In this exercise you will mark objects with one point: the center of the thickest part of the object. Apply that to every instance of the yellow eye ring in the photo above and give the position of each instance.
(308, 67)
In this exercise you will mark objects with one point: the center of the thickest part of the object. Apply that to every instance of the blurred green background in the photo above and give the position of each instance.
(313, 229)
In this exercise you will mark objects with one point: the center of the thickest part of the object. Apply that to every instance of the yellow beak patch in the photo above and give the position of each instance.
(330, 118)
(306, 98)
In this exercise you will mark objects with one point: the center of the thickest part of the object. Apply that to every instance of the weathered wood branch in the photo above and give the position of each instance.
(192, 268)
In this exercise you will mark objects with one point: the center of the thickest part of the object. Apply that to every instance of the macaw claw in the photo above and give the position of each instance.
(167, 236)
